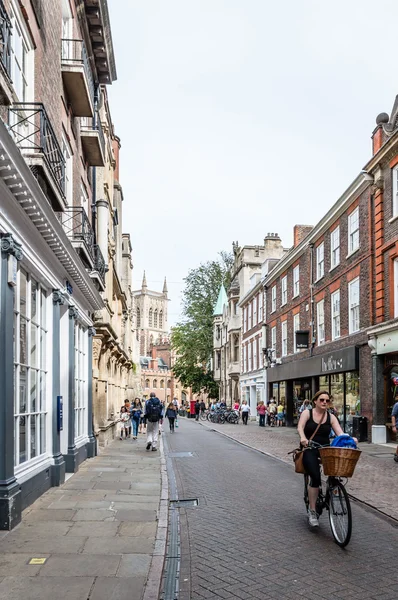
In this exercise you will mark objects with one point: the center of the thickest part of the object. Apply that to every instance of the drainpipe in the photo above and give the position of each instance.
(311, 247)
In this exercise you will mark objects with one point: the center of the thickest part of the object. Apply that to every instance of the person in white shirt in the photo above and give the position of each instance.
(245, 411)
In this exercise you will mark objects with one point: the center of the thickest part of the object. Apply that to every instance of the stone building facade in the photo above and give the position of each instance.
(56, 58)
(227, 325)
(151, 314)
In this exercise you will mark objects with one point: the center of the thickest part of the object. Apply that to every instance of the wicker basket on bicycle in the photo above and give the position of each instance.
(339, 462)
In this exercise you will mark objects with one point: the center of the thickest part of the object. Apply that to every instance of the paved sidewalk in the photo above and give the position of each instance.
(102, 533)
(375, 481)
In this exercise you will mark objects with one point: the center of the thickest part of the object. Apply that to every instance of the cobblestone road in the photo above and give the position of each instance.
(375, 480)
(249, 539)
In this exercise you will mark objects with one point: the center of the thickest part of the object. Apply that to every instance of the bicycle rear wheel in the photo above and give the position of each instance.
(340, 516)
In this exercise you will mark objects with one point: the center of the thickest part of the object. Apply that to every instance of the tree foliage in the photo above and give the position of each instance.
(192, 338)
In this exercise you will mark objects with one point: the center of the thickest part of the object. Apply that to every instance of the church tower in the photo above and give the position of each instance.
(151, 317)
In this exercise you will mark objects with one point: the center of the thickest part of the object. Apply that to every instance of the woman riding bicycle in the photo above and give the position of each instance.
(308, 423)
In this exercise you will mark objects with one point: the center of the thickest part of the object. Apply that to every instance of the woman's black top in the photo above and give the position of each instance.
(323, 433)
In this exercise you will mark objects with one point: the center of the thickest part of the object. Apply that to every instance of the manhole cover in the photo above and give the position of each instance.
(186, 503)
(180, 454)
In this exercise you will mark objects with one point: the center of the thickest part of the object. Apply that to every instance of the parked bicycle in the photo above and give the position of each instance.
(337, 465)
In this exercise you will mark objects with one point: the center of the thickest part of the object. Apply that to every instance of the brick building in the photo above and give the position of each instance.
(323, 287)
(383, 336)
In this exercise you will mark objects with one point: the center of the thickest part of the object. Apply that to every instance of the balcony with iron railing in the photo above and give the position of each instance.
(100, 268)
(77, 77)
(5, 39)
(77, 227)
(93, 141)
(30, 126)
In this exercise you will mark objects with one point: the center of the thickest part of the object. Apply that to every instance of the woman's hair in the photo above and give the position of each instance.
(123, 409)
(320, 393)
(137, 402)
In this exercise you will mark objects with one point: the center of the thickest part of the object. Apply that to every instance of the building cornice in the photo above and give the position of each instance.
(359, 185)
(20, 182)
(385, 154)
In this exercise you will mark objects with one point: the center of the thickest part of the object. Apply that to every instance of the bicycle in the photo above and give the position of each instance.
(333, 496)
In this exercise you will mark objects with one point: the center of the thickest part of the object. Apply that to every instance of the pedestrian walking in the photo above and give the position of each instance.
(171, 414)
(202, 407)
(125, 423)
(126, 405)
(261, 411)
(135, 414)
(197, 410)
(154, 416)
(394, 419)
(272, 412)
(245, 411)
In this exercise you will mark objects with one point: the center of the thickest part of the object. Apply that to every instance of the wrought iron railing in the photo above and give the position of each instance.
(99, 262)
(78, 227)
(32, 130)
(5, 39)
(94, 124)
(73, 52)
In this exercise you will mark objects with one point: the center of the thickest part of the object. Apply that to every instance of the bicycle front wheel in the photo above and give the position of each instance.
(340, 516)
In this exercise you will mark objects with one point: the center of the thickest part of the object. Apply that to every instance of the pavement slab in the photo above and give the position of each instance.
(45, 588)
(96, 532)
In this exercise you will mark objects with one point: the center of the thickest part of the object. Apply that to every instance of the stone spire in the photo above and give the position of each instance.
(144, 284)
(165, 290)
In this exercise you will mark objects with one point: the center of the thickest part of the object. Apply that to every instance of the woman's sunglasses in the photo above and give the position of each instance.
(324, 400)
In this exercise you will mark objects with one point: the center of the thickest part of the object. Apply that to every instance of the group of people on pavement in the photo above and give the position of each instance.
(146, 417)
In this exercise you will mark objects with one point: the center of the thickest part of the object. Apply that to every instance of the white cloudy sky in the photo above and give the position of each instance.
(241, 117)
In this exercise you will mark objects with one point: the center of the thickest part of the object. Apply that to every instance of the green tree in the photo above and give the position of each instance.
(192, 338)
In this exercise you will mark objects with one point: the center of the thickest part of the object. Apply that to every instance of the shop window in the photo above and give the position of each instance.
(353, 301)
(30, 369)
(296, 281)
(335, 301)
(337, 395)
(394, 174)
(335, 248)
(353, 231)
(320, 319)
(284, 290)
(296, 327)
(320, 261)
(273, 298)
(81, 383)
(284, 338)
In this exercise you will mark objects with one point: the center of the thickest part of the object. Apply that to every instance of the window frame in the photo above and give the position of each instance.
(273, 298)
(334, 250)
(335, 315)
(296, 327)
(39, 324)
(320, 261)
(260, 308)
(22, 68)
(296, 281)
(353, 234)
(284, 290)
(320, 323)
(284, 338)
(80, 403)
(273, 338)
(352, 307)
(394, 187)
(68, 157)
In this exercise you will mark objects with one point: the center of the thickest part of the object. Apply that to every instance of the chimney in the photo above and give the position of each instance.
(377, 135)
(272, 243)
(154, 360)
(300, 232)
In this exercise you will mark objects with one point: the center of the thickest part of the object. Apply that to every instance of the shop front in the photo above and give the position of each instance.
(336, 372)
(252, 389)
(383, 341)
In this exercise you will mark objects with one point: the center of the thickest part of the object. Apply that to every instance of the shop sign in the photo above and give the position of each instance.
(302, 339)
(387, 342)
(331, 364)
